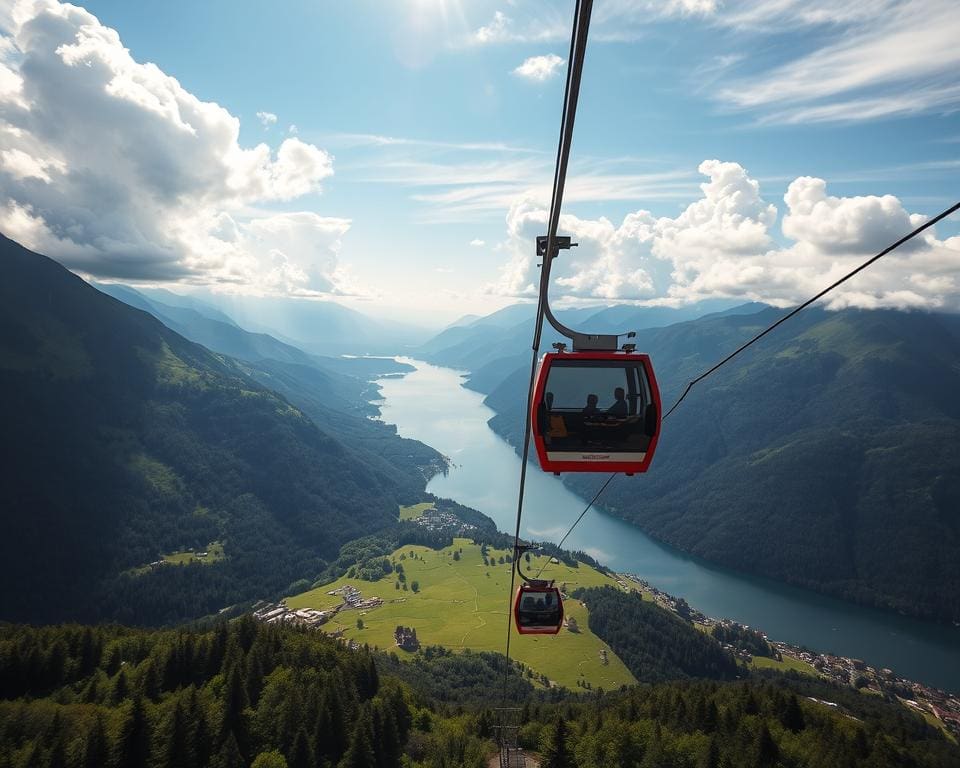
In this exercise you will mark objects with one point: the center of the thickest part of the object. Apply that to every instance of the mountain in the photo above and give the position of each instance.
(171, 299)
(218, 334)
(319, 327)
(122, 442)
(827, 455)
(508, 331)
(342, 383)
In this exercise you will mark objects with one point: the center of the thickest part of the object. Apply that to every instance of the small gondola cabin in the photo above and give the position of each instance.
(596, 412)
(538, 609)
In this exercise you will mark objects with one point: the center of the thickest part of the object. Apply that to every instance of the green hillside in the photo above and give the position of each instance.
(826, 455)
(122, 441)
(461, 603)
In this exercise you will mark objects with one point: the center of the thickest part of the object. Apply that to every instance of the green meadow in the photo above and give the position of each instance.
(788, 663)
(462, 603)
(214, 554)
(413, 511)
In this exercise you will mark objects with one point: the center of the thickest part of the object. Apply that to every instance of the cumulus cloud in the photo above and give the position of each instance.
(540, 68)
(114, 168)
(267, 119)
(477, 242)
(722, 245)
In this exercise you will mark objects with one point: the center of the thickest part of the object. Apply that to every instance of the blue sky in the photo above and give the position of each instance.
(409, 148)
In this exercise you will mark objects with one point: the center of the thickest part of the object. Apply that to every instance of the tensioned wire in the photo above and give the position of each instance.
(578, 46)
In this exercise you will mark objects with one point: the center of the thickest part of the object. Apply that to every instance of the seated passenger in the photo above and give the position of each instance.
(619, 408)
(591, 408)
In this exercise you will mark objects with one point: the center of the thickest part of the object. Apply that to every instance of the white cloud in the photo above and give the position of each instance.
(267, 119)
(721, 245)
(540, 68)
(114, 168)
(293, 130)
(883, 58)
(496, 31)
(477, 243)
(468, 190)
(612, 21)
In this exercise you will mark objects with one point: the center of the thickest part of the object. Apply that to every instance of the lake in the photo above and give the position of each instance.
(431, 406)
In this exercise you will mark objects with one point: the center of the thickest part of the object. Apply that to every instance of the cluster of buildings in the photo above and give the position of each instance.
(281, 613)
(434, 519)
(353, 599)
(916, 696)
(840, 669)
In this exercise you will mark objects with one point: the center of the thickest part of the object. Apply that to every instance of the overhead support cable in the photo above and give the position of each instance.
(906, 238)
(578, 46)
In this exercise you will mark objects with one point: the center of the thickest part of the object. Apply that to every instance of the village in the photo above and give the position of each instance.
(281, 613)
(439, 521)
(924, 699)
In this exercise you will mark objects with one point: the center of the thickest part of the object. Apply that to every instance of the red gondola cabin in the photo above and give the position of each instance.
(538, 609)
(596, 412)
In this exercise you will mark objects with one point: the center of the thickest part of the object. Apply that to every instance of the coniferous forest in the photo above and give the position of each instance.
(249, 694)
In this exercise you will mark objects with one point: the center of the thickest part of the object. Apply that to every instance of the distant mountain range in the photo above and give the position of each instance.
(123, 441)
(315, 326)
(828, 455)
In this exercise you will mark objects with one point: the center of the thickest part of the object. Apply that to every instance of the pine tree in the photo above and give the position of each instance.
(765, 748)
(711, 756)
(120, 689)
(330, 736)
(386, 737)
(132, 748)
(178, 751)
(301, 753)
(360, 754)
(272, 759)
(96, 750)
(553, 746)
(233, 721)
(229, 755)
(791, 716)
(57, 758)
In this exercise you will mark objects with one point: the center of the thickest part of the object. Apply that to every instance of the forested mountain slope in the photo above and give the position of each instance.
(827, 455)
(335, 393)
(122, 441)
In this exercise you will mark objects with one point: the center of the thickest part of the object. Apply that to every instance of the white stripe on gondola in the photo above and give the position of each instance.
(631, 456)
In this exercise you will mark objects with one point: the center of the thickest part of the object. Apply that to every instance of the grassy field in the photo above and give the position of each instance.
(414, 511)
(762, 662)
(463, 604)
(214, 554)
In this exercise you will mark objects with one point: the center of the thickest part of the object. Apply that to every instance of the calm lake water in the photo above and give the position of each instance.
(431, 406)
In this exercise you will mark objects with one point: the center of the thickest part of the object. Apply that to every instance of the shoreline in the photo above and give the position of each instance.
(843, 670)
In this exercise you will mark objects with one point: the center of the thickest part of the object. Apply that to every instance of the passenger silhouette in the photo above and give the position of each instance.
(591, 407)
(619, 408)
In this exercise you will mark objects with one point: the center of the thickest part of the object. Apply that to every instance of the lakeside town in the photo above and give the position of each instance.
(856, 673)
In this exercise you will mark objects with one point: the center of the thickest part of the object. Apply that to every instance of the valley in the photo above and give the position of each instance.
(430, 405)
